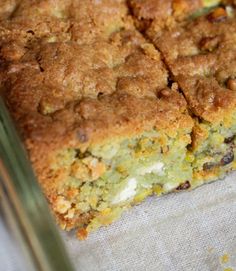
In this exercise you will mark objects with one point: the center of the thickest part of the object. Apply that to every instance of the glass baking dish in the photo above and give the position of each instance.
(24, 207)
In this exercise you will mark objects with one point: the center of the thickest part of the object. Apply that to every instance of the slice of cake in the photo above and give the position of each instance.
(103, 126)
(202, 61)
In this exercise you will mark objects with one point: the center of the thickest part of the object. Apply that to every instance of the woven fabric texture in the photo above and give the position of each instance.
(187, 231)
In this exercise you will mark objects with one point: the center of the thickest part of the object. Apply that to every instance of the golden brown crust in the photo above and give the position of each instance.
(85, 20)
(155, 15)
(154, 9)
(202, 60)
(58, 20)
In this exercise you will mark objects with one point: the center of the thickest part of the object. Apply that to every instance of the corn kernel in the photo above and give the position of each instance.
(224, 258)
(106, 211)
(189, 157)
(158, 189)
(141, 196)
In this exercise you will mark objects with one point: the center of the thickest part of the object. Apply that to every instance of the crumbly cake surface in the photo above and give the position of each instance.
(101, 114)
(202, 61)
(154, 16)
(162, 10)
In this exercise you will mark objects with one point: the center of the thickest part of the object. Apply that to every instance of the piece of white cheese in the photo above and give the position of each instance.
(128, 192)
(229, 11)
(155, 168)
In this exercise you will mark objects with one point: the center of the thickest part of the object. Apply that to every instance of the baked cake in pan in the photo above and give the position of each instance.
(108, 116)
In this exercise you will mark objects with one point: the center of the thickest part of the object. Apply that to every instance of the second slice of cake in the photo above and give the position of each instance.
(201, 57)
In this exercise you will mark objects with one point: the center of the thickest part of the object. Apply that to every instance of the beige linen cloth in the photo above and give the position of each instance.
(178, 232)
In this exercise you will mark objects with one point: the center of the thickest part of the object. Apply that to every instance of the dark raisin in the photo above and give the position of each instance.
(229, 140)
(228, 158)
(81, 155)
(30, 32)
(184, 186)
(170, 82)
(208, 166)
(100, 94)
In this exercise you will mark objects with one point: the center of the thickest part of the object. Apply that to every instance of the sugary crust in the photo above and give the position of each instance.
(55, 75)
(154, 9)
(53, 20)
(202, 60)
